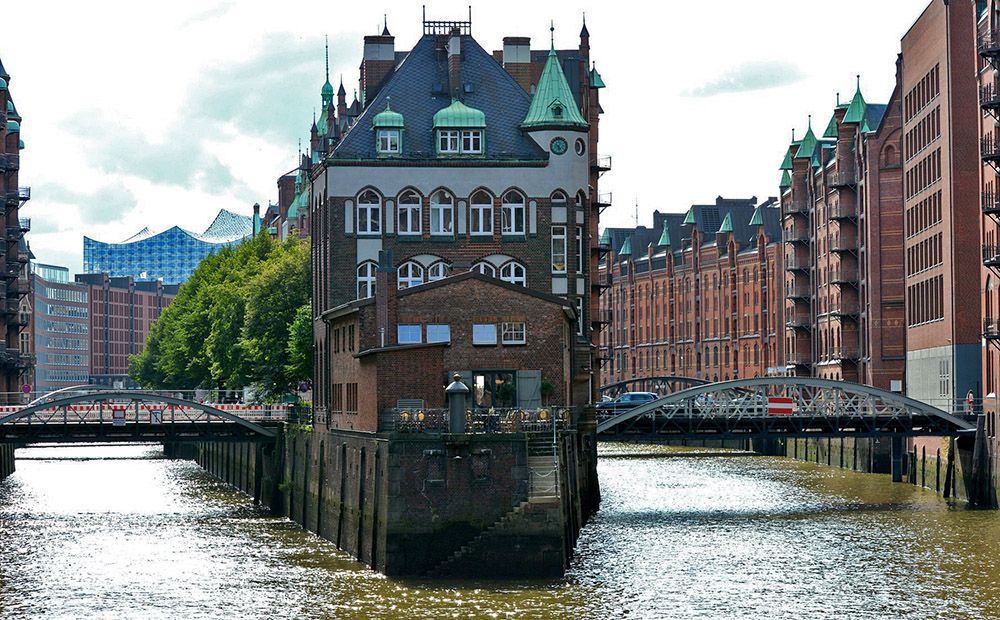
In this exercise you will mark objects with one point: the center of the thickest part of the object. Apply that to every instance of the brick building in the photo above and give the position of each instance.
(842, 226)
(15, 367)
(122, 312)
(988, 46)
(478, 176)
(62, 330)
(698, 295)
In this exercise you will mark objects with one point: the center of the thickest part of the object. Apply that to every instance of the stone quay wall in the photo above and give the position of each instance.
(6, 461)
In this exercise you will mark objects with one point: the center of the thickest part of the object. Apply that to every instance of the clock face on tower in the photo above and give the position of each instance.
(558, 146)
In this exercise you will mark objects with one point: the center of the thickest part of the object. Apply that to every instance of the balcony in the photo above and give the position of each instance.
(603, 318)
(10, 161)
(844, 310)
(798, 359)
(796, 236)
(847, 176)
(988, 45)
(845, 353)
(840, 211)
(991, 255)
(24, 222)
(602, 202)
(798, 291)
(842, 246)
(990, 203)
(989, 148)
(844, 275)
(989, 97)
(600, 163)
(795, 206)
(797, 263)
(991, 329)
(798, 320)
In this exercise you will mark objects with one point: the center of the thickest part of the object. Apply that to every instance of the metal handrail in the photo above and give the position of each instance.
(493, 420)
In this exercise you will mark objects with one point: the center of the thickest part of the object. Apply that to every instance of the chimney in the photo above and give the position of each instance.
(286, 194)
(517, 60)
(256, 218)
(385, 300)
(378, 61)
(455, 64)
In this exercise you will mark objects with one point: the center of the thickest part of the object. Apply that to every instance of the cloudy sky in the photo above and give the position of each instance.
(154, 114)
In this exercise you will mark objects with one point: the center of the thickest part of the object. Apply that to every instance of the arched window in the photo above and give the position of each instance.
(487, 269)
(366, 279)
(558, 196)
(481, 214)
(512, 213)
(442, 213)
(409, 274)
(581, 199)
(514, 273)
(409, 213)
(715, 356)
(369, 213)
(438, 270)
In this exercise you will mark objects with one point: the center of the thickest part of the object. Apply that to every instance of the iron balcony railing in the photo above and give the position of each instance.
(991, 203)
(988, 44)
(601, 163)
(991, 329)
(490, 421)
(798, 359)
(795, 206)
(991, 255)
(844, 353)
(842, 245)
(840, 211)
(24, 193)
(798, 291)
(846, 176)
(989, 96)
(24, 222)
(844, 275)
(844, 309)
(798, 320)
(796, 236)
(797, 263)
(603, 201)
(989, 148)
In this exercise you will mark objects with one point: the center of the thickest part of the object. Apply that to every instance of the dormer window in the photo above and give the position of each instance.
(448, 140)
(388, 141)
(459, 130)
(472, 141)
(458, 141)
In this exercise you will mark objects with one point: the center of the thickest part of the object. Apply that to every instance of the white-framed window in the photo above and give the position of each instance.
(366, 279)
(579, 316)
(369, 213)
(484, 333)
(558, 196)
(409, 209)
(438, 332)
(472, 141)
(438, 271)
(448, 140)
(579, 250)
(558, 249)
(408, 334)
(514, 273)
(409, 274)
(388, 140)
(512, 213)
(481, 214)
(513, 333)
(487, 269)
(580, 199)
(442, 213)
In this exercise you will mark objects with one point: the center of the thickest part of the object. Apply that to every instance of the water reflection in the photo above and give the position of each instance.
(736, 536)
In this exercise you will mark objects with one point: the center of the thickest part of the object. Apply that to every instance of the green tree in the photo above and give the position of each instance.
(300, 345)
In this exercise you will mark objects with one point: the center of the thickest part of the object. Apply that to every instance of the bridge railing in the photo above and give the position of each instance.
(121, 413)
(477, 421)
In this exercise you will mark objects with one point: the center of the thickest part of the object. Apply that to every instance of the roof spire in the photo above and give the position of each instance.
(552, 34)
(583, 31)
(327, 38)
(838, 98)
(385, 25)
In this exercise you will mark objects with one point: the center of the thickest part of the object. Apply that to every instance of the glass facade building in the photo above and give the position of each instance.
(170, 256)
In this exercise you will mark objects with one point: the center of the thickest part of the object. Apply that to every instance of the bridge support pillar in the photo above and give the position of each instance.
(898, 452)
(977, 472)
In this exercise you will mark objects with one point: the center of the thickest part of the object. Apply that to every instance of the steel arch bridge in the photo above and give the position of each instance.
(661, 385)
(109, 416)
(781, 407)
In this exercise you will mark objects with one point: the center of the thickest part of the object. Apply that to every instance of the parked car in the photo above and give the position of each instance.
(626, 401)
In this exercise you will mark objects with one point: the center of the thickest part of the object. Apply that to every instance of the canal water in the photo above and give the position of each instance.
(116, 532)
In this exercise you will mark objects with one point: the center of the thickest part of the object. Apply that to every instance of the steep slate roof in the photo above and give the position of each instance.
(412, 88)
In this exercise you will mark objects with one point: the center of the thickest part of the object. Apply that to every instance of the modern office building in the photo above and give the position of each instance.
(15, 367)
(61, 321)
(170, 256)
(696, 295)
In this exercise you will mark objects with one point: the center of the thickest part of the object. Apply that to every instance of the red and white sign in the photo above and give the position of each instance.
(118, 417)
(780, 405)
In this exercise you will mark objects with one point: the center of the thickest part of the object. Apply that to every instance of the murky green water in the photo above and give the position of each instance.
(112, 532)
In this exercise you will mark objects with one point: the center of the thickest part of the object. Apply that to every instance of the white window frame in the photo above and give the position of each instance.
(559, 249)
(449, 141)
(388, 141)
(579, 250)
(369, 214)
(438, 271)
(410, 273)
(410, 330)
(484, 334)
(366, 280)
(442, 213)
(481, 215)
(514, 272)
(413, 214)
(512, 214)
(579, 316)
(485, 268)
(513, 333)
(472, 141)
(434, 328)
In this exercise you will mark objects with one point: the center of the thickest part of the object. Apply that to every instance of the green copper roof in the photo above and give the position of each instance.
(864, 126)
(301, 202)
(327, 89)
(808, 145)
(458, 115)
(10, 106)
(626, 247)
(689, 218)
(817, 158)
(391, 118)
(727, 225)
(665, 236)
(553, 103)
(757, 219)
(856, 111)
(3, 82)
(786, 180)
(605, 238)
(831, 128)
(13, 126)
(20, 145)
(595, 78)
(786, 164)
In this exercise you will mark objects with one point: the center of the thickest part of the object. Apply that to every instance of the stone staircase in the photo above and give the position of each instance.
(448, 566)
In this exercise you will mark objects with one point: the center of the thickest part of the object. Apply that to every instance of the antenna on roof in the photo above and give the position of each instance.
(552, 33)
(327, 37)
(637, 211)
(470, 20)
